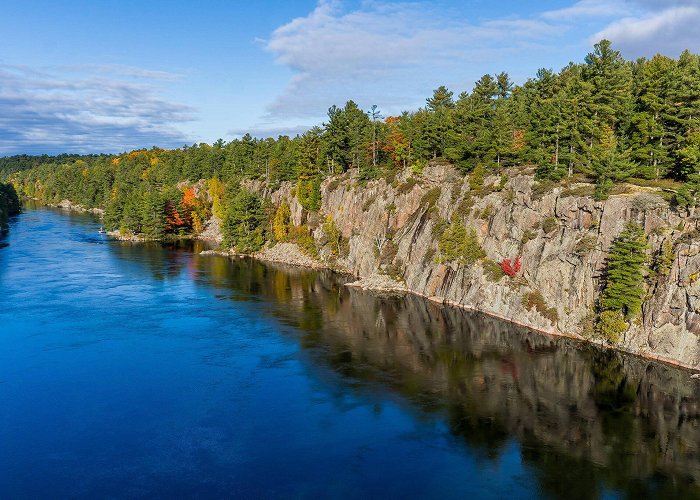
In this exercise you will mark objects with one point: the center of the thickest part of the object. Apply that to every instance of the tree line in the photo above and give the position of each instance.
(605, 120)
(9, 203)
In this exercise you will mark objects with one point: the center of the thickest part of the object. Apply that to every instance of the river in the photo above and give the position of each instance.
(146, 370)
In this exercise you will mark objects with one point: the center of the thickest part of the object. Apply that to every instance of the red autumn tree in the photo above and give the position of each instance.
(173, 220)
(511, 269)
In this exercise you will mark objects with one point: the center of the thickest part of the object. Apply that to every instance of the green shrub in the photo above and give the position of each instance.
(439, 227)
(528, 235)
(492, 270)
(430, 198)
(550, 224)
(407, 186)
(487, 212)
(368, 203)
(585, 245)
(509, 195)
(611, 326)
(244, 224)
(465, 206)
(308, 193)
(429, 254)
(476, 179)
(395, 270)
(418, 166)
(388, 253)
(333, 184)
(624, 274)
(582, 190)
(663, 260)
(460, 245)
(333, 234)
(539, 189)
(535, 300)
(301, 235)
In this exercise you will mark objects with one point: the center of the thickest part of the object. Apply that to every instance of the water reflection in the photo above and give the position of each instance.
(585, 419)
(583, 422)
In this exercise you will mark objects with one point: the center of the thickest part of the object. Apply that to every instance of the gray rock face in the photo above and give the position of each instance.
(562, 239)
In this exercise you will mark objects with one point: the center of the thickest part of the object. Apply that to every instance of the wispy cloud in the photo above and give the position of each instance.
(264, 132)
(387, 51)
(86, 109)
(391, 53)
(588, 9)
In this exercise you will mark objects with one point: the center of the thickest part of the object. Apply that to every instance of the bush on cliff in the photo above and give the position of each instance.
(625, 272)
(460, 245)
(622, 295)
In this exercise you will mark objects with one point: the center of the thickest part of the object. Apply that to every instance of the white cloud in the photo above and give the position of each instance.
(588, 8)
(386, 53)
(86, 109)
(667, 31)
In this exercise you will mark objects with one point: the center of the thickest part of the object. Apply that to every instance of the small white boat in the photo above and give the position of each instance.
(102, 230)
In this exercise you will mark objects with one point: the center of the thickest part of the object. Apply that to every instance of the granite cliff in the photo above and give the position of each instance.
(561, 234)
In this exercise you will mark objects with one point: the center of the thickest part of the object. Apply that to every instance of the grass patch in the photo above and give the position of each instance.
(535, 300)
(492, 270)
(407, 186)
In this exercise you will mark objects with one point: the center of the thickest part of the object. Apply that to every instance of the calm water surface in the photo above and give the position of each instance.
(149, 371)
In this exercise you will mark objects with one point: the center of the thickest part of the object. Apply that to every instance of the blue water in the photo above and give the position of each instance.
(146, 370)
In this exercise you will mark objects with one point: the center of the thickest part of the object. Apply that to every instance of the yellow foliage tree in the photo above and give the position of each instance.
(216, 192)
(280, 222)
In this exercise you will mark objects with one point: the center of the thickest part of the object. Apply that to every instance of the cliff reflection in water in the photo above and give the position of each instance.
(584, 418)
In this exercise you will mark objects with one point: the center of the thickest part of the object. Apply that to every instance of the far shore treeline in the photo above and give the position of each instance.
(606, 121)
(9, 203)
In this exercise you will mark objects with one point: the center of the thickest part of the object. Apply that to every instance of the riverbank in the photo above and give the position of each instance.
(560, 236)
(383, 285)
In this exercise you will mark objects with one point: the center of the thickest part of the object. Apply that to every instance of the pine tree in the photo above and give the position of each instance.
(609, 163)
(611, 79)
(244, 226)
(308, 169)
(650, 137)
(624, 276)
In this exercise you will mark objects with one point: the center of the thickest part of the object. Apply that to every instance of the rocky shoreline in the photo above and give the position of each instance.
(561, 234)
(69, 205)
(384, 285)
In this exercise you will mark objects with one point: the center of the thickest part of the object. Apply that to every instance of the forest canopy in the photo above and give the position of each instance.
(605, 120)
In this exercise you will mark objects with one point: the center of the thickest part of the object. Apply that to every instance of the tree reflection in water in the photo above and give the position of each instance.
(584, 419)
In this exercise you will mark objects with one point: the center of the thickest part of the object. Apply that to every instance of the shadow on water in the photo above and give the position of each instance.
(586, 420)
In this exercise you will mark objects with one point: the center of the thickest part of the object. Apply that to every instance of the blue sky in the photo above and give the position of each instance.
(109, 76)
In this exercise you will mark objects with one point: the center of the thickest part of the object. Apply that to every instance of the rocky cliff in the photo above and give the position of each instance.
(561, 234)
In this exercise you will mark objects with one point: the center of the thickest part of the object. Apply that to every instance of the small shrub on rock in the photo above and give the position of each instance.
(611, 326)
(535, 300)
(550, 224)
(460, 245)
(492, 270)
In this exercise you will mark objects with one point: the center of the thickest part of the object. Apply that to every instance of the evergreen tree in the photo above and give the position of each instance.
(441, 99)
(649, 137)
(611, 79)
(308, 171)
(609, 163)
(244, 225)
(624, 276)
